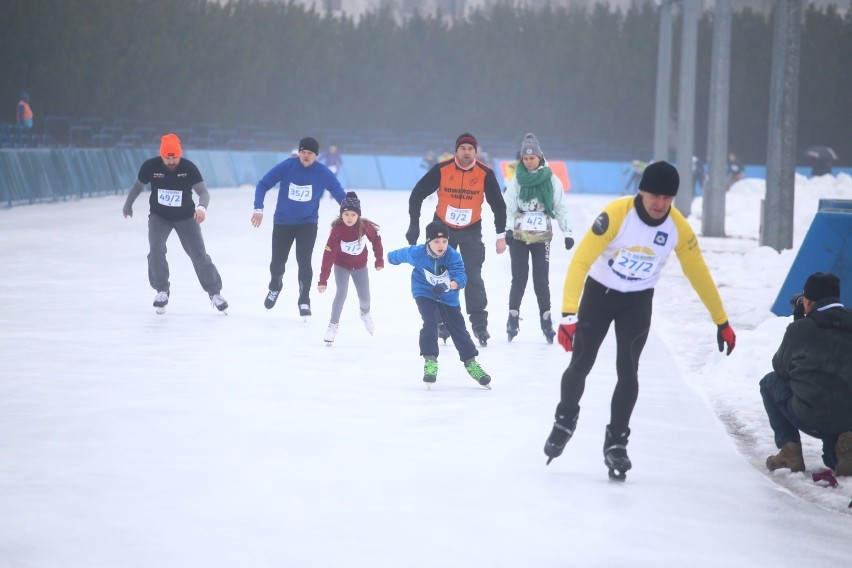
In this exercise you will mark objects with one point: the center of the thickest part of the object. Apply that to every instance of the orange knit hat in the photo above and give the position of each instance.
(170, 146)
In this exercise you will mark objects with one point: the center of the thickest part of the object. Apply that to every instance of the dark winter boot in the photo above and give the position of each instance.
(843, 449)
(547, 327)
(513, 325)
(790, 457)
(615, 452)
(563, 429)
(443, 333)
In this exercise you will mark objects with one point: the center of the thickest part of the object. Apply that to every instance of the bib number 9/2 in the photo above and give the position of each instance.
(459, 217)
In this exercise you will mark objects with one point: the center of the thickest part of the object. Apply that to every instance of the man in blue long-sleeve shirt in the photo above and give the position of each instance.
(302, 182)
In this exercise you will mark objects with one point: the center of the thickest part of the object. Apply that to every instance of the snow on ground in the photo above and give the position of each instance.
(197, 439)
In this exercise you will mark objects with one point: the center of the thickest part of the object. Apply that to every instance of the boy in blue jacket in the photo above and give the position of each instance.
(436, 279)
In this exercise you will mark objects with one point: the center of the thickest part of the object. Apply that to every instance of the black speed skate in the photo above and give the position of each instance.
(563, 429)
(615, 453)
(513, 325)
(443, 333)
(481, 333)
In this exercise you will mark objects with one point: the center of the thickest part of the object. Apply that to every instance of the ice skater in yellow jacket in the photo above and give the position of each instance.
(615, 268)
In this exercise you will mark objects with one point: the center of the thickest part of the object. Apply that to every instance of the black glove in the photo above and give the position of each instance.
(569, 243)
(798, 306)
(439, 289)
(510, 238)
(412, 233)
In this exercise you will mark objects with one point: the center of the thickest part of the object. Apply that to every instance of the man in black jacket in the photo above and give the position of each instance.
(810, 388)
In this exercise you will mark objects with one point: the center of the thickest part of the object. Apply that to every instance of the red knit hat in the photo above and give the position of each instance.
(467, 138)
(170, 146)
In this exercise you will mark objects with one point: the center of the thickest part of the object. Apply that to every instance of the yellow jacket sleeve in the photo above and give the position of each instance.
(603, 231)
(696, 271)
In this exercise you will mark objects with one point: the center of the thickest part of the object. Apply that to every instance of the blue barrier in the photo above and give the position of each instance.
(827, 248)
(30, 175)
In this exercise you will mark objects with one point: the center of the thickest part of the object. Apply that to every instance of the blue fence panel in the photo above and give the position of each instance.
(827, 248)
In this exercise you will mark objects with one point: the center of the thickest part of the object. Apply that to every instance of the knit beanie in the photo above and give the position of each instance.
(660, 178)
(351, 203)
(308, 143)
(467, 138)
(437, 229)
(170, 146)
(530, 145)
(822, 285)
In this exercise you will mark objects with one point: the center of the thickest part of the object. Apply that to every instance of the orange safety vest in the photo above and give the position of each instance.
(28, 112)
(460, 195)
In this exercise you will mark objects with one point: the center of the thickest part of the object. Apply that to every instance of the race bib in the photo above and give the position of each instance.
(170, 197)
(534, 221)
(459, 217)
(300, 192)
(634, 264)
(354, 248)
(433, 279)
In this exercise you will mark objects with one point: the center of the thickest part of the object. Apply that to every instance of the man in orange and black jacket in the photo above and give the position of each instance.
(463, 183)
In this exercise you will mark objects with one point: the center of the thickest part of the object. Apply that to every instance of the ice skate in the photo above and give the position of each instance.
(481, 333)
(477, 373)
(563, 429)
(161, 301)
(430, 370)
(368, 322)
(219, 303)
(304, 311)
(443, 333)
(513, 325)
(271, 298)
(790, 457)
(615, 453)
(547, 327)
(330, 333)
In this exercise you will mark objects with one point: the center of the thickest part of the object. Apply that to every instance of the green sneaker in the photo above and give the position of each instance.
(478, 373)
(430, 370)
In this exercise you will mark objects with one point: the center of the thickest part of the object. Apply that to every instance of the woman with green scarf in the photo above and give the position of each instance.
(533, 197)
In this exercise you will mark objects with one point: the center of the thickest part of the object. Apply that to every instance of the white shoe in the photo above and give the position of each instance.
(368, 322)
(219, 302)
(331, 332)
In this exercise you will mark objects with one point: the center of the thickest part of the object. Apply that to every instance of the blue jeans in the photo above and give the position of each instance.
(778, 401)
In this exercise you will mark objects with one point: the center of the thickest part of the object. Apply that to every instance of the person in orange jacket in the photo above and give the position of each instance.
(463, 183)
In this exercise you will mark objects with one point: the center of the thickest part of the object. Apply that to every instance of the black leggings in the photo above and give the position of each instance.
(521, 253)
(283, 236)
(600, 306)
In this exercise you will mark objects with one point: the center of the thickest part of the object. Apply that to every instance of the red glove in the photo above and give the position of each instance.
(567, 329)
(726, 336)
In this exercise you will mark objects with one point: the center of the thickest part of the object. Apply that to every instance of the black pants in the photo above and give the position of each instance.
(434, 312)
(521, 252)
(283, 236)
(599, 307)
(469, 243)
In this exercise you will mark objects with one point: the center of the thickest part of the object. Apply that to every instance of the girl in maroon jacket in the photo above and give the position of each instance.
(346, 249)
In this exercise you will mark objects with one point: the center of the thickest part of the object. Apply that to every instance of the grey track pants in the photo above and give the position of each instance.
(189, 233)
(362, 286)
